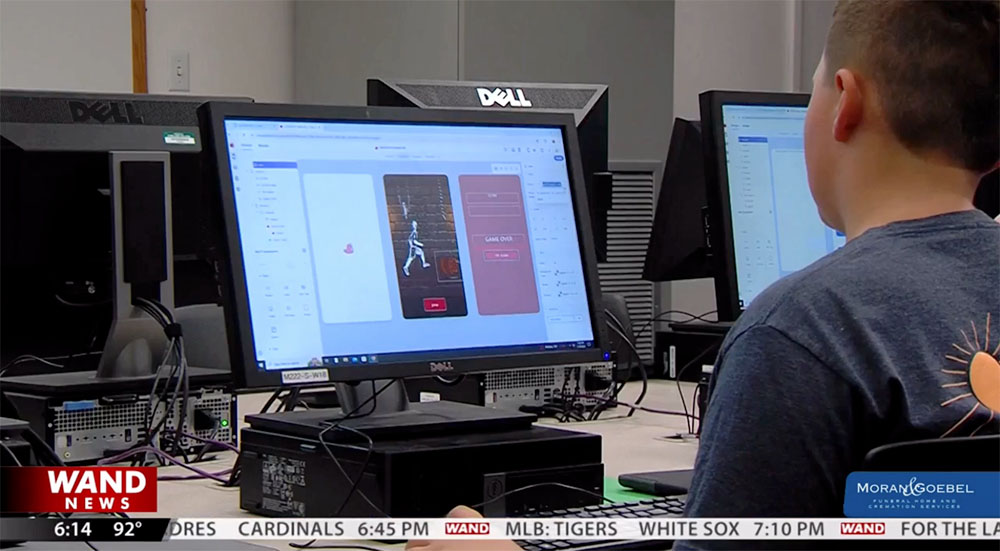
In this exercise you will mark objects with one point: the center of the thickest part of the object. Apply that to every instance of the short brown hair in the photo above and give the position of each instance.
(935, 64)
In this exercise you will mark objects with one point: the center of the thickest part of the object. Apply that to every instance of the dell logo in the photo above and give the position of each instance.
(438, 367)
(118, 112)
(511, 97)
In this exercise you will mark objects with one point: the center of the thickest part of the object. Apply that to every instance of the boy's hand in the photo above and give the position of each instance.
(462, 545)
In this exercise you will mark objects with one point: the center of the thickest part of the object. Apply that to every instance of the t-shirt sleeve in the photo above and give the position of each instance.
(776, 438)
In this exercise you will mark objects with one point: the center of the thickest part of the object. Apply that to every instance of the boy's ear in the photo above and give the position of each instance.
(849, 105)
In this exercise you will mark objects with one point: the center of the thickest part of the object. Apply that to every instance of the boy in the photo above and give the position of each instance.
(892, 337)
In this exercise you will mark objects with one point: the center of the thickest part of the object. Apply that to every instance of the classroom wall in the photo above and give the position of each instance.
(66, 45)
(742, 45)
(627, 44)
(236, 48)
(815, 22)
(390, 38)
(239, 48)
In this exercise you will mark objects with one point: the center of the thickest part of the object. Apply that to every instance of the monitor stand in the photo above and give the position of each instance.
(142, 262)
(360, 396)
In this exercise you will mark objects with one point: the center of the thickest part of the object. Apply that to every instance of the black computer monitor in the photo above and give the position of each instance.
(987, 197)
(378, 243)
(588, 103)
(679, 245)
(56, 250)
(764, 222)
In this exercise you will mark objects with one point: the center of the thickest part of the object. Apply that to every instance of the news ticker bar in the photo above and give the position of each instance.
(157, 529)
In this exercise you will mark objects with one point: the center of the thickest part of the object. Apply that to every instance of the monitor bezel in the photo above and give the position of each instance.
(727, 295)
(212, 117)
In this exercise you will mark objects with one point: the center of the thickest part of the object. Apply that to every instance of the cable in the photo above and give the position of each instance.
(271, 400)
(540, 484)
(151, 431)
(677, 380)
(364, 466)
(24, 358)
(336, 424)
(164, 456)
(234, 475)
(182, 416)
(210, 441)
(11, 453)
(221, 473)
(613, 402)
(694, 317)
(291, 400)
(642, 370)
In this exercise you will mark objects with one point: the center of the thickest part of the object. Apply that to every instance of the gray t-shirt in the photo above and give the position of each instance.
(864, 347)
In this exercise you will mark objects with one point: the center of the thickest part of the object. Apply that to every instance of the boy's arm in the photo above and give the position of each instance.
(778, 436)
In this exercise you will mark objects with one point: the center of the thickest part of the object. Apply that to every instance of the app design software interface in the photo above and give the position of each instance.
(776, 227)
(368, 243)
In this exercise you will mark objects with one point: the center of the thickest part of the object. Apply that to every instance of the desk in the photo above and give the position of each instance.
(631, 444)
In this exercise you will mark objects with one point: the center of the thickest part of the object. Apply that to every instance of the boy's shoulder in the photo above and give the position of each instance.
(889, 269)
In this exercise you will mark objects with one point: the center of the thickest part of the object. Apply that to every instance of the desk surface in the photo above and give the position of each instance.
(631, 444)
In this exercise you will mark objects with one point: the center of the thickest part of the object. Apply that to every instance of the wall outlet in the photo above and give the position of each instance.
(180, 72)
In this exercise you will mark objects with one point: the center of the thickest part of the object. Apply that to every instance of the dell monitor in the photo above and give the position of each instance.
(382, 243)
(765, 224)
(679, 245)
(588, 103)
(63, 153)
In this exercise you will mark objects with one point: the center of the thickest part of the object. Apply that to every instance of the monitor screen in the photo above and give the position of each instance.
(386, 242)
(775, 225)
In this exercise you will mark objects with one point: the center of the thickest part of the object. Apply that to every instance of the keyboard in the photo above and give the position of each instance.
(647, 508)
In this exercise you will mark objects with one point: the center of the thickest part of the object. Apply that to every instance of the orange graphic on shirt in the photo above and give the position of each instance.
(982, 376)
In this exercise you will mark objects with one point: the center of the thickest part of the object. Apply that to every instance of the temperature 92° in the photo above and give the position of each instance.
(126, 528)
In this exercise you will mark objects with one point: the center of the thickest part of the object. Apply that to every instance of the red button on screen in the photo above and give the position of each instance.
(435, 305)
(502, 255)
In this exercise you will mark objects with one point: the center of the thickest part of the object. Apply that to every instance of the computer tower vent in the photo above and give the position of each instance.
(630, 222)
(73, 416)
(521, 378)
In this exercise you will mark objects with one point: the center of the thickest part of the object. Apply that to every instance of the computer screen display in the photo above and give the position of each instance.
(776, 228)
(382, 242)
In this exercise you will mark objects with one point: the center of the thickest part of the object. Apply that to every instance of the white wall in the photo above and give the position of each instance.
(66, 45)
(339, 45)
(814, 22)
(727, 44)
(236, 47)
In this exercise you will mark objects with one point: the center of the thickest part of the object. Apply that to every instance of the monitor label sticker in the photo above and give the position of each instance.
(180, 138)
(299, 377)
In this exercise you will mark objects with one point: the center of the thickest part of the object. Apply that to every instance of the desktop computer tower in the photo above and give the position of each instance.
(84, 419)
(285, 475)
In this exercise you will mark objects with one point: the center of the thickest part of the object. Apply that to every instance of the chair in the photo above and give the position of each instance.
(968, 453)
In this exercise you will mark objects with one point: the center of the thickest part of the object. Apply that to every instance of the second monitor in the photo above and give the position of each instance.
(764, 221)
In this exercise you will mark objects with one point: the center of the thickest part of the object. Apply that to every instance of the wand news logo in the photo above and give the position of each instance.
(79, 489)
(922, 494)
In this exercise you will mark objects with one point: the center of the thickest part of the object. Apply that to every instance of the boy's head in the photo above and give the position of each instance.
(903, 78)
